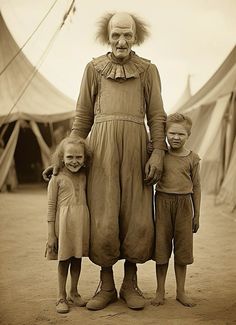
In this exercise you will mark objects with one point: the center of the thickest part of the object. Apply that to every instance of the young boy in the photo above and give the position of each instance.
(178, 196)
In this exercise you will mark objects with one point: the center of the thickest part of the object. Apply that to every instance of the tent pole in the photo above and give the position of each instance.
(52, 134)
(4, 130)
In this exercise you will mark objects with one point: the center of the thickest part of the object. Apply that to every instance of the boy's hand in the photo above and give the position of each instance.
(52, 243)
(149, 148)
(49, 171)
(195, 224)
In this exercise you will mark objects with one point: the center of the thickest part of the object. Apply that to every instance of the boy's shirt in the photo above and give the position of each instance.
(180, 174)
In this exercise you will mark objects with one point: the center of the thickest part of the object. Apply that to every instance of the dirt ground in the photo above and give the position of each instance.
(28, 282)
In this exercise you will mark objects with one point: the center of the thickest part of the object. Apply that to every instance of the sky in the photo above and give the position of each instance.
(187, 37)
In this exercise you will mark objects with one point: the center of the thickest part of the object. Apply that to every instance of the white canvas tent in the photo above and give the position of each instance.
(213, 111)
(26, 97)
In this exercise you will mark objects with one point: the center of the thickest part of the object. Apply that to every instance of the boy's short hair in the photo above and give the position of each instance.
(181, 119)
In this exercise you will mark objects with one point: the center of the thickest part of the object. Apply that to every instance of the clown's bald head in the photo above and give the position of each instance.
(122, 19)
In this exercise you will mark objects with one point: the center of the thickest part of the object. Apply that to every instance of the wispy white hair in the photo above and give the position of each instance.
(102, 35)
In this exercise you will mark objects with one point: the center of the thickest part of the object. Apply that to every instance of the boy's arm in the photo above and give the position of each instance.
(196, 196)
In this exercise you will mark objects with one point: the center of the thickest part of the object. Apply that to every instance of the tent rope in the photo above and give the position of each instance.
(40, 61)
(28, 39)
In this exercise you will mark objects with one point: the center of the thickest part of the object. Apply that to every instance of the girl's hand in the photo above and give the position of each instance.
(52, 243)
(195, 224)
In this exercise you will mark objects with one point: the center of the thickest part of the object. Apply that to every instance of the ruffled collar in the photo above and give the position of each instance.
(109, 67)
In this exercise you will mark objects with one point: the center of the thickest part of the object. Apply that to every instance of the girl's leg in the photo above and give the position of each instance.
(75, 268)
(74, 297)
(62, 277)
(180, 274)
(161, 271)
(61, 305)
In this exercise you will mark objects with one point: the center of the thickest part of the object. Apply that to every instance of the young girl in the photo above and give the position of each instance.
(68, 218)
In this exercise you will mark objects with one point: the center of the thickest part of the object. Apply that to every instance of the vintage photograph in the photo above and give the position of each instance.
(117, 162)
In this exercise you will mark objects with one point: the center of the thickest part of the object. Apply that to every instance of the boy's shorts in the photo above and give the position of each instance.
(174, 214)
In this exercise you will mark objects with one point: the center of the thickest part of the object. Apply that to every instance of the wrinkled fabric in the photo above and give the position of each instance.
(149, 95)
(174, 215)
(120, 203)
(67, 207)
(113, 102)
(180, 174)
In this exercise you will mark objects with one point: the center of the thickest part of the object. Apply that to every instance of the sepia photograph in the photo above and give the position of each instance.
(117, 162)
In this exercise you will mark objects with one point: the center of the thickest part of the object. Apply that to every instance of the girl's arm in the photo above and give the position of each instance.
(51, 215)
(52, 239)
(196, 196)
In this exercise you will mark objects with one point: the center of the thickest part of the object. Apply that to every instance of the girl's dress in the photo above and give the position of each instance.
(67, 207)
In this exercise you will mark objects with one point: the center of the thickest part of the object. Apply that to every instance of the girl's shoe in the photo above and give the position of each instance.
(62, 306)
(76, 300)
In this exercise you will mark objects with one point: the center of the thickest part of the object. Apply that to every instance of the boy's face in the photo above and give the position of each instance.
(73, 157)
(177, 135)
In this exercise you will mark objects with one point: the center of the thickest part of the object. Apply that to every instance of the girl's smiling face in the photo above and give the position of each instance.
(73, 157)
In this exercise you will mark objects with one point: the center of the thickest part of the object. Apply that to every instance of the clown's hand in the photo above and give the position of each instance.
(49, 171)
(154, 167)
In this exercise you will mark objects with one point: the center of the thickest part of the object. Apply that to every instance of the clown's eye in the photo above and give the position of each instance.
(128, 36)
(115, 36)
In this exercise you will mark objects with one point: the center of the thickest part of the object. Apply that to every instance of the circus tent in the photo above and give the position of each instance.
(213, 111)
(30, 107)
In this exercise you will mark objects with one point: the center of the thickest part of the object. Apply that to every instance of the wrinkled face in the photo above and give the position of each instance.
(177, 135)
(73, 157)
(122, 35)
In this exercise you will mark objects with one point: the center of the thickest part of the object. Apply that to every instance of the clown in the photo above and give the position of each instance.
(118, 91)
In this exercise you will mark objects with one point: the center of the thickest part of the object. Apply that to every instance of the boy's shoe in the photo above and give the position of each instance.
(102, 299)
(76, 300)
(62, 306)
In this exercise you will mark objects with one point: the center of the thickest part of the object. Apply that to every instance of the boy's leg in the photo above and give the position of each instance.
(183, 246)
(161, 271)
(75, 268)
(180, 274)
(61, 305)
